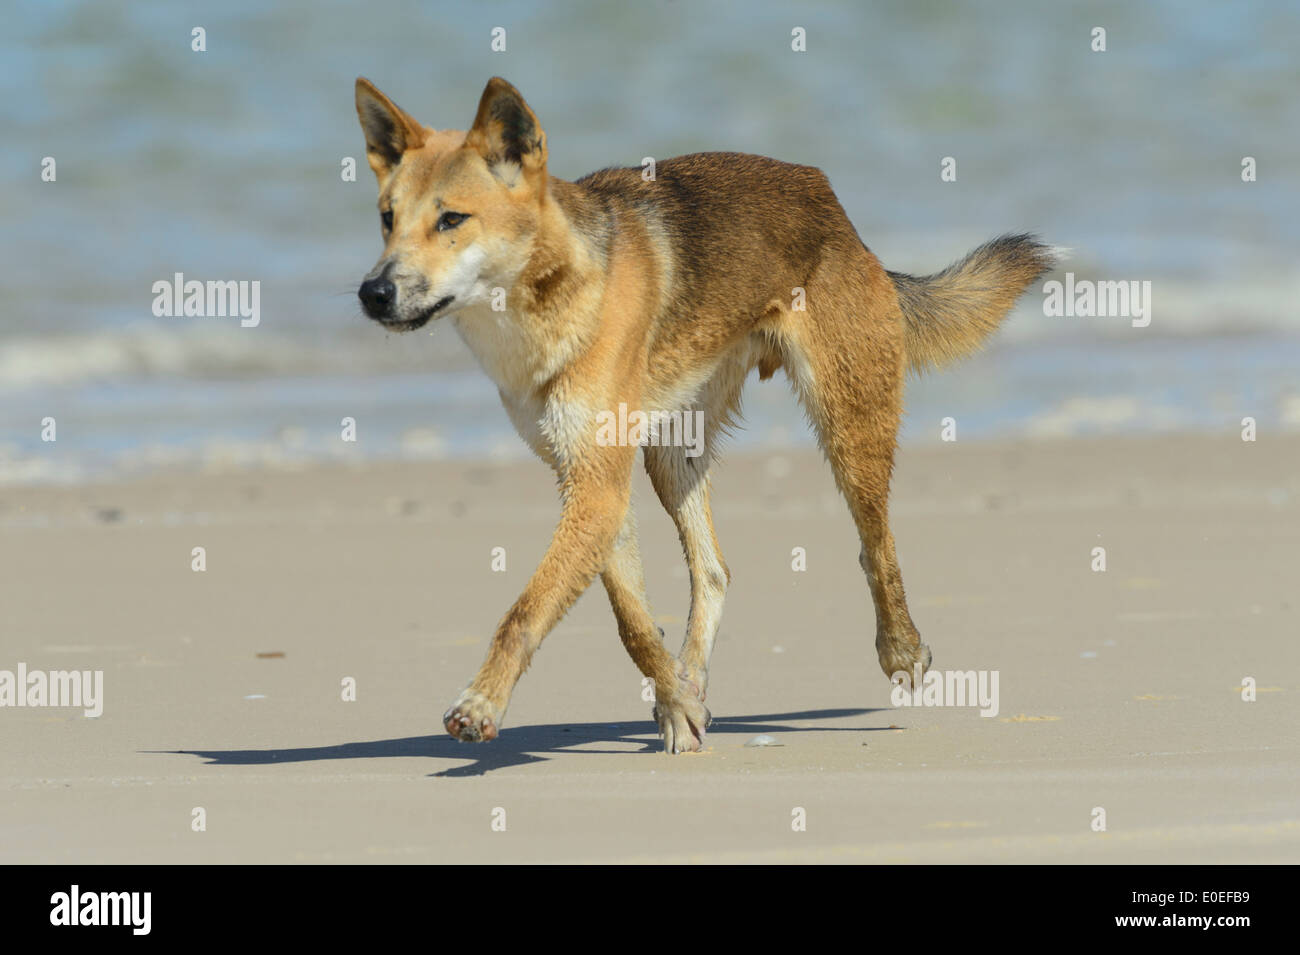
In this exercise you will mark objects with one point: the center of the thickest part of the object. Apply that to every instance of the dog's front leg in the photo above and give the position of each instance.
(595, 496)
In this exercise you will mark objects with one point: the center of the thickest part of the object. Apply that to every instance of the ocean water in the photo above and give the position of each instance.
(225, 165)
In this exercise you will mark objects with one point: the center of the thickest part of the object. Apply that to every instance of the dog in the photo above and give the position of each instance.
(661, 291)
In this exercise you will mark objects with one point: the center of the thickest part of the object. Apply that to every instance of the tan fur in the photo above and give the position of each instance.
(662, 295)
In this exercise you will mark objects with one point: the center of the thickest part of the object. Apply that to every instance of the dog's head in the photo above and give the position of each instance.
(458, 211)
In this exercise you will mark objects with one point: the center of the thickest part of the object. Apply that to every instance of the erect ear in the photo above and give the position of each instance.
(389, 131)
(506, 131)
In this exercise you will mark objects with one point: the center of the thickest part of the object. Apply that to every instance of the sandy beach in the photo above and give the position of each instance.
(1119, 690)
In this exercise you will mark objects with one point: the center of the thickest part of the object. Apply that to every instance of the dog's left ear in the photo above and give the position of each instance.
(506, 133)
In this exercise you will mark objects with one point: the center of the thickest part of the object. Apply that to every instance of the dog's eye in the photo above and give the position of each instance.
(387, 219)
(449, 220)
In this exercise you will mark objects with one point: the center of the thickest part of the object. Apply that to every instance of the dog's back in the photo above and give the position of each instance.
(742, 232)
(737, 230)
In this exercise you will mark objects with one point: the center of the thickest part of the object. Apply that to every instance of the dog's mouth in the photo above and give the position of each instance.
(411, 324)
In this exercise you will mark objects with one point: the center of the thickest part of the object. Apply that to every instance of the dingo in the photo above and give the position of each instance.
(660, 294)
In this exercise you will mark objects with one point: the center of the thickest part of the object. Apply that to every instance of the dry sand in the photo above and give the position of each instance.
(1118, 690)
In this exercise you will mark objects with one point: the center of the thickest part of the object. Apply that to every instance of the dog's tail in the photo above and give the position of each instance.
(948, 315)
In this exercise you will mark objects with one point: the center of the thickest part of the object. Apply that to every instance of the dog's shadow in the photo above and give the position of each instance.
(520, 745)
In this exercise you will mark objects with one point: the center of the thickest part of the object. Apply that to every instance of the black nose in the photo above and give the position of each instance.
(377, 296)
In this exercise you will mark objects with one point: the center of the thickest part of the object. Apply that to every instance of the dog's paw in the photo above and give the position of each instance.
(682, 718)
(898, 657)
(472, 718)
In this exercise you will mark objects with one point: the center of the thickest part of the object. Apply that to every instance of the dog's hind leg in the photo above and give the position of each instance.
(678, 709)
(845, 357)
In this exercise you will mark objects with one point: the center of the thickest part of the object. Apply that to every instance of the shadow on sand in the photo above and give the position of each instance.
(520, 745)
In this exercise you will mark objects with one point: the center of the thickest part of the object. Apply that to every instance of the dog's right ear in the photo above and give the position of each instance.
(388, 129)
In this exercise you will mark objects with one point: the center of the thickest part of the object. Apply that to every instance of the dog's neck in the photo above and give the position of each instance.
(524, 346)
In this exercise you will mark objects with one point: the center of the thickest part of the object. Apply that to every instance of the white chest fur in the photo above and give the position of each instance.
(520, 362)
(505, 348)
